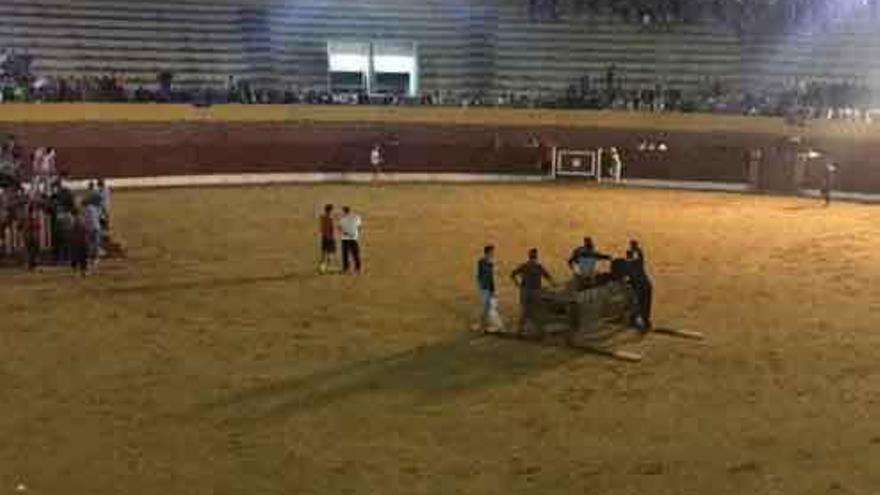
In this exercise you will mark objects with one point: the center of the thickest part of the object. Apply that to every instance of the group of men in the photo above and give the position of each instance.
(43, 219)
(349, 228)
(529, 277)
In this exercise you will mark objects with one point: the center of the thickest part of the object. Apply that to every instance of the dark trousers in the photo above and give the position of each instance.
(33, 251)
(644, 297)
(351, 249)
(79, 258)
(60, 244)
(61, 248)
(529, 301)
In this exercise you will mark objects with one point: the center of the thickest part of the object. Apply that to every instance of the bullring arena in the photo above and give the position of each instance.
(700, 179)
(214, 359)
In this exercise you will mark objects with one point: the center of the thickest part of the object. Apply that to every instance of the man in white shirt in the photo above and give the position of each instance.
(376, 160)
(616, 164)
(350, 233)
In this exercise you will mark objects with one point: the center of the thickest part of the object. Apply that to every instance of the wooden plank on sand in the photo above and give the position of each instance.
(686, 334)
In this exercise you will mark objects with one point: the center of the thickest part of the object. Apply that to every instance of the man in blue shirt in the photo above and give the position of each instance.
(489, 319)
(92, 217)
(584, 259)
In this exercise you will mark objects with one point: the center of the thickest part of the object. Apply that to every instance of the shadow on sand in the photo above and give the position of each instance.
(206, 283)
(806, 207)
(423, 374)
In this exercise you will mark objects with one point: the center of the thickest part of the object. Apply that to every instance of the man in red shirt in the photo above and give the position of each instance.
(328, 241)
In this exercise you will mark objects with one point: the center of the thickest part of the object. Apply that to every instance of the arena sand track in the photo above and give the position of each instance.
(217, 362)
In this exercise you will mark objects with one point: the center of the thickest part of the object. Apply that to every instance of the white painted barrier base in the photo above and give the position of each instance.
(687, 185)
(743, 188)
(308, 178)
(844, 196)
(365, 178)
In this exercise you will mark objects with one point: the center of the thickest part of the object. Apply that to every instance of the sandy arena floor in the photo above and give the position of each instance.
(216, 361)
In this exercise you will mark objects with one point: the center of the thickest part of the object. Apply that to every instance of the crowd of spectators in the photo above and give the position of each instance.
(807, 99)
(610, 90)
(815, 99)
(745, 16)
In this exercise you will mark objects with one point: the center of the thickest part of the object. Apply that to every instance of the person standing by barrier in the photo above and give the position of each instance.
(350, 229)
(91, 191)
(37, 168)
(62, 235)
(11, 152)
(103, 192)
(328, 239)
(830, 173)
(616, 165)
(43, 169)
(63, 195)
(79, 243)
(92, 218)
(528, 276)
(32, 233)
(61, 203)
(641, 283)
(376, 160)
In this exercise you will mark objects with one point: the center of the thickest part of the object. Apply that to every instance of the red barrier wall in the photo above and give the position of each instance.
(126, 150)
(151, 149)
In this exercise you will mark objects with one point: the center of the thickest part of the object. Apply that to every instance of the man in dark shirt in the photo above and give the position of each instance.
(529, 276)
(328, 240)
(10, 163)
(11, 151)
(489, 320)
(79, 244)
(32, 233)
(828, 186)
(641, 283)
